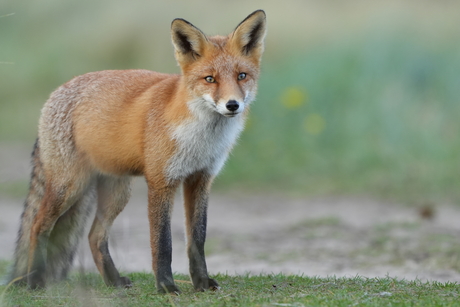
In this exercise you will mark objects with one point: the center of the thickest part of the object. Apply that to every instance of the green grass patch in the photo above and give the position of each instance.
(266, 290)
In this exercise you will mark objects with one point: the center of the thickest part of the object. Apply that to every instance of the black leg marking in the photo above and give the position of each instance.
(196, 191)
(111, 275)
(165, 280)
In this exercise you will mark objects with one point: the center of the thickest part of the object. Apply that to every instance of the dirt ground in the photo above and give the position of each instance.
(341, 236)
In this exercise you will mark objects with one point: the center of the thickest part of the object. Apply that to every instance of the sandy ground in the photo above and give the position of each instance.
(274, 234)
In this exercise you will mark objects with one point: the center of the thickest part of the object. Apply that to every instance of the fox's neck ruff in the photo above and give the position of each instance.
(203, 142)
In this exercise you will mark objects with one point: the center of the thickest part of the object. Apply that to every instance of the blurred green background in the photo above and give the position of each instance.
(355, 97)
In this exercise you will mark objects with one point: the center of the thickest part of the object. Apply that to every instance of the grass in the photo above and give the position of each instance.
(265, 290)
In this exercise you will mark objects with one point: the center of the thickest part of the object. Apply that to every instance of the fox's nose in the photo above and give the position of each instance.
(232, 105)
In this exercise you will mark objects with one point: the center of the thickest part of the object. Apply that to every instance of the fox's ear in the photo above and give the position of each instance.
(188, 41)
(249, 35)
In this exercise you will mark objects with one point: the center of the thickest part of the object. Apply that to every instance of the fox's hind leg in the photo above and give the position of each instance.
(66, 234)
(196, 192)
(58, 198)
(113, 194)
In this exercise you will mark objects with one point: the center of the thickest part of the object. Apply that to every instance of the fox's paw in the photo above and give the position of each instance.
(168, 289)
(35, 281)
(36, 285)
(213, 285)
(206, 284)
(124, 282)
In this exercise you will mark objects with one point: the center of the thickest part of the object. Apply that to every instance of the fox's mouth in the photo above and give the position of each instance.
(231, 114)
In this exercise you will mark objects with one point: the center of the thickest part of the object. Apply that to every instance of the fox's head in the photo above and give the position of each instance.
(221, 72)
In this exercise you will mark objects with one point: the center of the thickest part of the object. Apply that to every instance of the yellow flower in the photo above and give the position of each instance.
(294, 97)
(314, 123)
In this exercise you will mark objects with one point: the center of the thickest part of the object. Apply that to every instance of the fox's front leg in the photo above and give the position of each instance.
(160, 205)
(196, 192)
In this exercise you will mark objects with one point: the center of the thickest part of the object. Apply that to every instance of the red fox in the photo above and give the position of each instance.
(100, 129)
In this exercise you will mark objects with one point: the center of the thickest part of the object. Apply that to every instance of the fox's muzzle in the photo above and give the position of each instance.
(232, 105)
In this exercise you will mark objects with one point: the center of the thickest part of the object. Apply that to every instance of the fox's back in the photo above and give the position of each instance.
(100, 118)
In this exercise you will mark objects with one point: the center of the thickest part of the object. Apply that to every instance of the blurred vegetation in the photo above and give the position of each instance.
(375, 114)
(354, 98)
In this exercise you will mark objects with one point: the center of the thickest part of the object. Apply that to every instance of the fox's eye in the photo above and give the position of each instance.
(242, 76)
(210, 79)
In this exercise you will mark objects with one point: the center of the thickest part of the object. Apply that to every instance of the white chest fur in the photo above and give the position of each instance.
(203, 143)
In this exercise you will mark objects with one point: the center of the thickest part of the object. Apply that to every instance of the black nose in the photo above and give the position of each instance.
(232, 105)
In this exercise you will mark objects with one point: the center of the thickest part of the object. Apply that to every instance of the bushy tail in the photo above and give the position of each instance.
(64, 238)
(31, 205)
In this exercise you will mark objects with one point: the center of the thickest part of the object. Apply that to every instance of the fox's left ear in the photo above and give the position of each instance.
(249, 35)
(189, 42)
